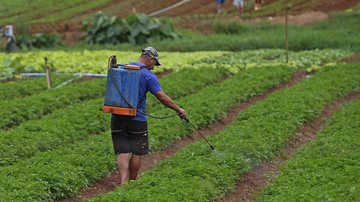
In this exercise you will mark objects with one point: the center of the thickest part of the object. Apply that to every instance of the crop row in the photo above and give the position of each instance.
(62, 172)
(96, 61)
(77, 121)
(328, 168)
(310, 60)
(14, 112)
(25, 87)
(199, 174)
(36, 106)
(15, 11)
(92, 61)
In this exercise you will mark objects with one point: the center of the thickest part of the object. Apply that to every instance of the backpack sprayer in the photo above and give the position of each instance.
(121, 99)
(124, 99)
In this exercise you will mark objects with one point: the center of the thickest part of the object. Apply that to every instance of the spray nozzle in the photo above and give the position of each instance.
(192, 125)
(113, 61)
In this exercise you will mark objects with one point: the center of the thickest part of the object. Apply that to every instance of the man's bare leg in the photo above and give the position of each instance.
(134, 166)
(240, 10)
(123, 165)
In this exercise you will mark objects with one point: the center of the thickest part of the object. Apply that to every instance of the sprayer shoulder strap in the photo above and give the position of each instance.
(140, 103)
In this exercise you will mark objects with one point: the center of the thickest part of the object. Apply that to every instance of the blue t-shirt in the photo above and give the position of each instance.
(148, 82)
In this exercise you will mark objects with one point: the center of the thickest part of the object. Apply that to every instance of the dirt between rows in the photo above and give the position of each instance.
(305, 13)
(265, 173)
(110, 182)
(354, 59)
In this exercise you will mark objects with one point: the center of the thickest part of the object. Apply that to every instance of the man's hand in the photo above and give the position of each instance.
(182, 113)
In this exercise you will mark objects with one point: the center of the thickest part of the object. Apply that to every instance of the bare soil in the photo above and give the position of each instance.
(308, 12)
(304, 18)
(265, 173)
(354, 59)
(110, 182)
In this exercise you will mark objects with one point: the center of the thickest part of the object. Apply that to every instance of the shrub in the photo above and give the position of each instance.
(39, 40)
(136, 29)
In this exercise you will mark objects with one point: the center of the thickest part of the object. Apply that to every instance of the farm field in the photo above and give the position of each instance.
(238, 69)
(328, 165)
(267, 119)
(241, 145)
(96, 61)
(78, 10)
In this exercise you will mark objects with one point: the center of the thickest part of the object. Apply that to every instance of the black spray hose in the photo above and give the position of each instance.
(192, 125)
(127, 102)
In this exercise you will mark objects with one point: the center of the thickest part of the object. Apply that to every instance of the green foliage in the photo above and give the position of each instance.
(198, 174)
(44, 11)
(136, 29)
(337, 33)
(39, 40)
(77, 121)
(326, 169)
(90, 159)
(7, 73)
(213, 102)
(86, 61)
(27, 86)
(28, 41)
(305, 60)
(96, 61)
(14, 112)
(189, 81)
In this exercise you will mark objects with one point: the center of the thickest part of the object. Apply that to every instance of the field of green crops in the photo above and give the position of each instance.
(328, 168)
(87, 61)
(40, 11)
(54, 143)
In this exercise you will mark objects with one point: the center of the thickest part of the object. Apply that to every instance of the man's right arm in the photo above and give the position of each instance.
(167, 101)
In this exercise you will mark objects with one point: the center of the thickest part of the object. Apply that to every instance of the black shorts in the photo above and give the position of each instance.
(129, 136)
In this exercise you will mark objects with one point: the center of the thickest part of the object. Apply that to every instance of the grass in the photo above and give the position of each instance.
(43, 11)
(340, 32)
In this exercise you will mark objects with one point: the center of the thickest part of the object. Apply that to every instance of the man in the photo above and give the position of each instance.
(219, 6)
(10, 39)
(130, 134)
(239, 4)
(257, 5)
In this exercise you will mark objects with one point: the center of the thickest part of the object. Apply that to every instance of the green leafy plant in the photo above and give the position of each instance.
(38, 105)
(28, 86)
(198, 174)
(78, 120)
(27, 40)
(136, 29)
(39, 40)
(53, 179)
(325, 169)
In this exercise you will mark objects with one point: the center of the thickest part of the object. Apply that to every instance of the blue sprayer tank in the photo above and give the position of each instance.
(122, 90)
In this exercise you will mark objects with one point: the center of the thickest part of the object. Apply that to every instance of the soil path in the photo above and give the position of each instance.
(265, 173)
(354, 59)
(304, 18)
(109, 183)
(306, 13)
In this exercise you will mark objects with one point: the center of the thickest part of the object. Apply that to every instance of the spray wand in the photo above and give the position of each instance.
(195, 128)
(113, 64)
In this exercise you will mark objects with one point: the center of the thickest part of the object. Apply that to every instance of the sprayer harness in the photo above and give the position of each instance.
(150, 115)
(127, 102)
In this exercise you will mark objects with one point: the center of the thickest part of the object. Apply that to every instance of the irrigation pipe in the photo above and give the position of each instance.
(169, 7)
(77, 75)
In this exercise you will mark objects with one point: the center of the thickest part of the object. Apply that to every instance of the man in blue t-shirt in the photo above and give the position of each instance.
(130, 134)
